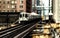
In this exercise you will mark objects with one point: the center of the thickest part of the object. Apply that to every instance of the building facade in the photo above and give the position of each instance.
(43, 7)
(56, 10)
(15, 5)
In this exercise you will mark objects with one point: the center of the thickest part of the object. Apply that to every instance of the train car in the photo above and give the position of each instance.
(28, 16)
(25, 17)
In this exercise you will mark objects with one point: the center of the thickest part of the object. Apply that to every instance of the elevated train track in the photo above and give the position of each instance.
(20, 30)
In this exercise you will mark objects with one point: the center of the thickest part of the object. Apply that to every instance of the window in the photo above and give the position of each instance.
(0, 1)
(7, 2)
(12, 2)
(15, 10)
(3, 10)
(15, 2)
(21, 6)
(21, 1)
(13, 6)
(21, 10)
(38, 3)
(3, 6)
(26, 15)
(7, 10)
(4, 2)
(0, 6)
(12, 10)
(8, 6)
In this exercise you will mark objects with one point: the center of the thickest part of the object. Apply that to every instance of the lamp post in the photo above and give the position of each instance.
(52, 29)
(50, 16)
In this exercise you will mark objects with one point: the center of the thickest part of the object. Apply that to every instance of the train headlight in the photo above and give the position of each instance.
(13, 25)
(0, 28)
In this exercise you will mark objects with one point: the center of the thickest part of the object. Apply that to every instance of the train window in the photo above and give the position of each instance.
(20, 15)
(23, 15)
(26, 15)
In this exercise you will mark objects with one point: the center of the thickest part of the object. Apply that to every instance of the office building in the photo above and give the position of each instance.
(15, 5)
(56, 10)
(43, 7)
